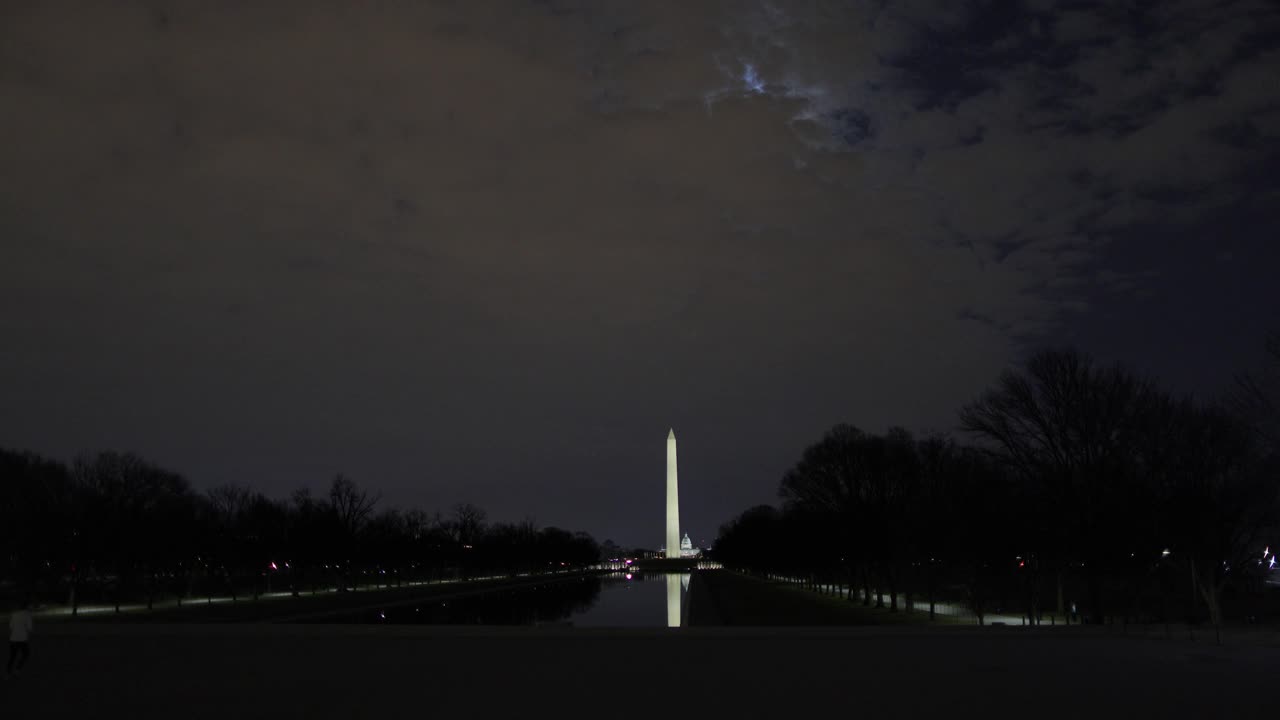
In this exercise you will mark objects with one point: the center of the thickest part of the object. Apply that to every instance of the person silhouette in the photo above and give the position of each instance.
(20, 627)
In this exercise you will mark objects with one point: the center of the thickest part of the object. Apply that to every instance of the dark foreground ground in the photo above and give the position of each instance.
(339, 671)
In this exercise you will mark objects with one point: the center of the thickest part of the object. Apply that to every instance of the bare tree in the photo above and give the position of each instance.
(467, 523)
(228, 504)
(417, 523)
(351, 504)
(859, 488)
(1257, 395)
(1066, 426)
(351, 507)
(829, 487)
(114, 531)
(1217, 496)
(114, 518)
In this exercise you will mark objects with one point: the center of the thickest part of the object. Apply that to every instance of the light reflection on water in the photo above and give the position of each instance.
(677, 586)
(613, 600)
(646, 600)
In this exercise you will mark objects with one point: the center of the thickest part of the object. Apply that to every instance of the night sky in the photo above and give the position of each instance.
(491, 250)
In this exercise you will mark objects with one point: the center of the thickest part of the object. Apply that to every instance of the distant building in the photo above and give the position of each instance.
(687, 550)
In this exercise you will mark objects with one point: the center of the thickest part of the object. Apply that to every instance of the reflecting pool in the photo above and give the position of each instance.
(613, 600)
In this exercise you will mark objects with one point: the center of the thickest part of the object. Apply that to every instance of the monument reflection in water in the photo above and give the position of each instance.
(677, 586)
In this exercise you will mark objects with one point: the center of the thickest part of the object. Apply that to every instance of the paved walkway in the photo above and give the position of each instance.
(335, 671)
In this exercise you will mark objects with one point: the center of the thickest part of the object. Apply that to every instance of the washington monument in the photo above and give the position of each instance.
(673, 499)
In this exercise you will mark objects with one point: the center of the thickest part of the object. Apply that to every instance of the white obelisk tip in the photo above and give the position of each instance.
(671, 434)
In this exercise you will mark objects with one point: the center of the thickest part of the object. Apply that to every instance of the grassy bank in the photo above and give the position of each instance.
(723, 597)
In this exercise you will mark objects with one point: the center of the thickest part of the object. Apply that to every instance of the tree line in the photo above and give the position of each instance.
(113, 528)
(1078, 486)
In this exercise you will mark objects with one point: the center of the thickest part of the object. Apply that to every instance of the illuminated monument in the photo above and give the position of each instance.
(673, 500)
(675, 548)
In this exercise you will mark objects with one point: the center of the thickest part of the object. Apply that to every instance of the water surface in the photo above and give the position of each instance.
(613, 600)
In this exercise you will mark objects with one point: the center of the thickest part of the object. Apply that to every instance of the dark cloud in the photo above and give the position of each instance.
(491, 251)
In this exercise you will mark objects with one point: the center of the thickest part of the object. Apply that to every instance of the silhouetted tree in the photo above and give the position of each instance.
(1067, 427)
(95, 529)
(227, 505)
(313, 527)
(467, 523)
(37, 502)
(755, 540)
(121, 491)
(829, 487)
(981, 544)
(1218, 498)
(1083, 472)
(1257, 396)
(957, 519)
(857, 490)
(351, 507)
(263, 529)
